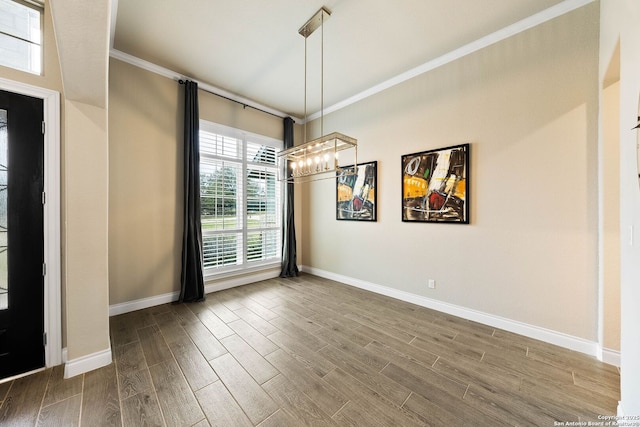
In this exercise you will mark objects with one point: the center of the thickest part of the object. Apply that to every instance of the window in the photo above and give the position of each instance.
(21, 35)
(240, 199)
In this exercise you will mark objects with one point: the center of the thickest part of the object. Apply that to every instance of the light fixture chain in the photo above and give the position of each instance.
(322, 74)
(305, 139)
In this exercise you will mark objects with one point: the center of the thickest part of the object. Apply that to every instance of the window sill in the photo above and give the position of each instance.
(240, 276)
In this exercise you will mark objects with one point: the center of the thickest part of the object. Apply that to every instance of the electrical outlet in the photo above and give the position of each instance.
(432, 284)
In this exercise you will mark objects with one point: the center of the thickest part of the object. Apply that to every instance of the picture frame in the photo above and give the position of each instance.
(356, 194)
(435, 185)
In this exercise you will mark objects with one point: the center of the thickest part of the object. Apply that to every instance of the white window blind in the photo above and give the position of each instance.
(240, 199)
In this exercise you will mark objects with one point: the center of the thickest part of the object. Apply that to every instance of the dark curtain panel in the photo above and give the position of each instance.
(289, 262)
(191, 280)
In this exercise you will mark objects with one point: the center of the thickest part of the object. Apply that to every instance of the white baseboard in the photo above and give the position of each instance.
(213, 286)
(139, 304)
(553, 337)
(612, 357)
(87, 363)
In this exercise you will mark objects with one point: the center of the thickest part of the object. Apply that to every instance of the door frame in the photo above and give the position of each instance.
(52, 246)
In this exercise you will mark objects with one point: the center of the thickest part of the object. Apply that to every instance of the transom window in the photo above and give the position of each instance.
(240, 199)
(21, 35)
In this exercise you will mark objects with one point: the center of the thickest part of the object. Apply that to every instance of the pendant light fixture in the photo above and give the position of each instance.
(320, 158)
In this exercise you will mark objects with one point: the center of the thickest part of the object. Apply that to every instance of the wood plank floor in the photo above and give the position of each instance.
(310, 351)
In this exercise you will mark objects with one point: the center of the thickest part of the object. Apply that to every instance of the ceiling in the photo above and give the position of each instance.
(252, 49)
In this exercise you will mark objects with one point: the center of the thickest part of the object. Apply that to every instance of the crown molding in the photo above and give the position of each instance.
(495, 37)
(157, 69)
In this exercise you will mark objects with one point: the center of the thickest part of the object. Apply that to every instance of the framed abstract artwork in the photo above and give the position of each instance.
(435, 185)
(356, 194)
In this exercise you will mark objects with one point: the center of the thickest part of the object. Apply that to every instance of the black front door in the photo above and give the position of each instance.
(21, 234)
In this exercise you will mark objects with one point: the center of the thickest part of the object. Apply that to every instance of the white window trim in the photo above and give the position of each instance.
(254, 266)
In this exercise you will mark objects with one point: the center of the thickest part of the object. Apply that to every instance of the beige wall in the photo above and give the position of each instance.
(219, 110)
(145, 185)
(86, 206)
(528, 106)
(144, 195)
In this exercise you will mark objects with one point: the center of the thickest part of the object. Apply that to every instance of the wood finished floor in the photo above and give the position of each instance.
(309, 351)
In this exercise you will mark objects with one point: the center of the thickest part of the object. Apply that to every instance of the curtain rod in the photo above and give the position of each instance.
(244, 105)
